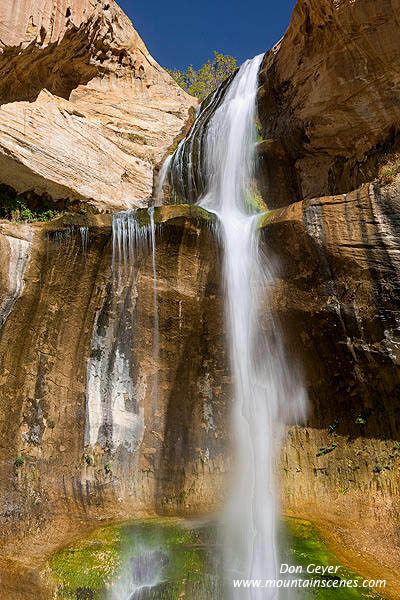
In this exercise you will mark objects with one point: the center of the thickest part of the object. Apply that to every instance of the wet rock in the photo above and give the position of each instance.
(147, 568)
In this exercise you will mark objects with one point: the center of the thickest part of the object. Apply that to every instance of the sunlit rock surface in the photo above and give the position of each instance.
(329, 98)
(86, 113)
(94, 447)
(15, 247)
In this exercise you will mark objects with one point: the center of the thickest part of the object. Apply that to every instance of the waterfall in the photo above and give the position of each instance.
(84, 231)
(134, 239)
(267, 394)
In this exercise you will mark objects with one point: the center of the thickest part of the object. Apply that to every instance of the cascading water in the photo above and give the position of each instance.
(267, 395)
(215, 165)
(132, 239)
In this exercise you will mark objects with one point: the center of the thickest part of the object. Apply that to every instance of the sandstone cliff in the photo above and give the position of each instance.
(86, 113)
(78, 367)
(79, 383)
(329, 98)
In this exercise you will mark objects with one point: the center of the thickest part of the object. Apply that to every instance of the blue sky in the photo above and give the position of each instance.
(180, 32)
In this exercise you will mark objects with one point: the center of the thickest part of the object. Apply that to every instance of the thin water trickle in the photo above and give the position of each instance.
(84, 231)
(132, 239)
(156, 333)
(162, 176)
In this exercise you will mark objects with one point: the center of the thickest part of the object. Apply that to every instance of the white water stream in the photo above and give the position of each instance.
(266, 394)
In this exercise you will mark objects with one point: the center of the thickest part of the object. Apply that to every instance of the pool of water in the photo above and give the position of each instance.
(168, 559)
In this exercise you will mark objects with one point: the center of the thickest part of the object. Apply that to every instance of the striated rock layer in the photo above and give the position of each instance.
(86, 113)
(110, 427)
(329, 98)
(78, 385)
(337, 298)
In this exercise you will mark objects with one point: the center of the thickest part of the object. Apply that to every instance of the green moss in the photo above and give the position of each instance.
(89, 459)
(19, 461)
(174, 146)
(254, 201)
(307, 547)
(90, 566)
(327, 450)
(93, 563)
(270, 217)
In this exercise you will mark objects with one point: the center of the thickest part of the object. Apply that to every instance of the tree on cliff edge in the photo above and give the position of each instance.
(204, 81)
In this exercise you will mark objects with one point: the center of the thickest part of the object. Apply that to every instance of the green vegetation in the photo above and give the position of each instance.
(202, 82)
(378, 468)
(15, 208)
(51, 424)
(362, 418)
(306, 548)
(323, 451)
(108, 468)
(89, 459)
(91, 565)
(103, 560)
(333, 427)
(19, 461)
(389, 171)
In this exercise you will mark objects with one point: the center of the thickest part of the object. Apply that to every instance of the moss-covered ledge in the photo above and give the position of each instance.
(162, 214)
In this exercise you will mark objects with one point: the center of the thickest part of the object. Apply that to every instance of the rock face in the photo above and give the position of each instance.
(149, 414)
(31, 21)
(79, 92)
(79, 380)
(329, 98)
(337, 299)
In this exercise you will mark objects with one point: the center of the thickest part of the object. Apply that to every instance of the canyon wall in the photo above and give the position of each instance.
(328, 102)
(337, 299)
(112, 422)
(96, 424)
(86, 113)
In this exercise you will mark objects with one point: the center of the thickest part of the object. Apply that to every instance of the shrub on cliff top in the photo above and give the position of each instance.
(202, 82)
